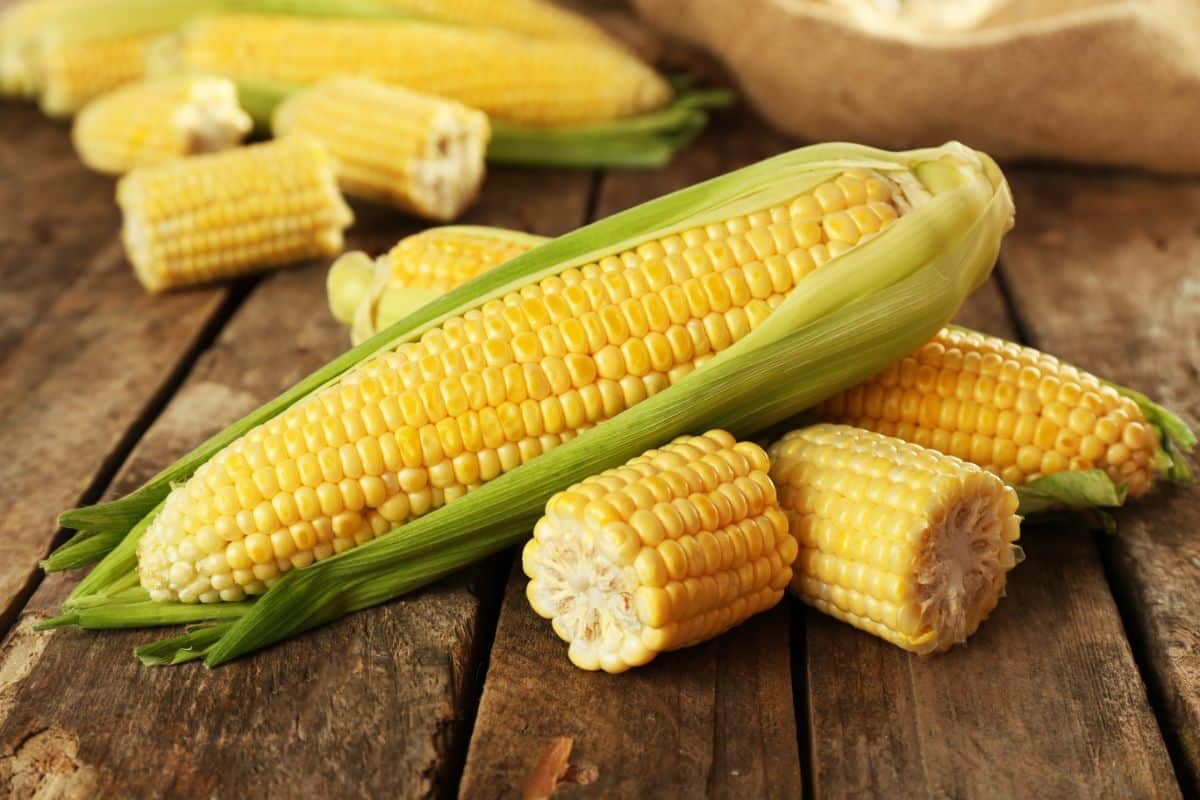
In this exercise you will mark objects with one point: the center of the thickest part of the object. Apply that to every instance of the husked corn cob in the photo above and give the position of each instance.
(540, 82)
(216, 216)
(675, 547)
(421, 153)
(371, 294)
(1014, 410)
(413, 428)
(20, 27)
(158, 120)
(905, 543)
(74, 72)
(530, 17)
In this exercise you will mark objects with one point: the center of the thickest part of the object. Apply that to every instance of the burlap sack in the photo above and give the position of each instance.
(1092, 81)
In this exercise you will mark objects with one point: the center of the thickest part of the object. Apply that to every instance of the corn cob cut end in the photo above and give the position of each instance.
(905, 543)
(669, 550)
(159, 120)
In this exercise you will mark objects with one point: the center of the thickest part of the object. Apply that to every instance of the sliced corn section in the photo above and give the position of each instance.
(1014, 410)
(158, 120)
(417, 427)
(905, 543)
(371, 294)
(216, 216)
(675, 547)
(510, 77)
(74, 72)
(421, 153)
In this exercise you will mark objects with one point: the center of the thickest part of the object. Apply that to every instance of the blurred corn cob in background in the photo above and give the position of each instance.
(217, 216)
(540, 82)
(675, 547)
(157, 120)
(371, 294)
(421, 153)
(540, 18)
(900, 541)
(21, 26)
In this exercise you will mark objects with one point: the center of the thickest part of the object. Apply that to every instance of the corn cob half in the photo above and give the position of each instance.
(675, 547)
(1018, 412)
(897, 540)
(539, 82)
(421, 153)
(226, 214)
(158, 120)
(371, 295)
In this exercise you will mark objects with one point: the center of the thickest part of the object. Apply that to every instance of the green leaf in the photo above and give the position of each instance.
(1081, 489)
(190, 646)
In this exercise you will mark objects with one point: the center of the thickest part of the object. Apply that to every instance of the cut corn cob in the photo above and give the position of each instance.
(905, 543)
(539, 82)
(21, 25)
(217, 216)
(418, 427)
(1011, 409)
(530, 17)
(75, 72)
(421, 153)
(371, 294)
(675, 547)
(158, 120)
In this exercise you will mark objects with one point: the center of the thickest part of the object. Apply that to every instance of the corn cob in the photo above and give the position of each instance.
(20, 26)
(418, 152)
(905, 543)
(73, 73)
(371, 294)
(154, 121)
(1018, 412)
(411, 430)
(675, 547)
(538, 82)
(217, 216)
(529, 17)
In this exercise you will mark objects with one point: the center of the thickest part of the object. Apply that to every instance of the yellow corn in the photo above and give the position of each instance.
(416, 427)
(371, 294)
(530, 17)
(421, 153)
(1014, 410)
(74, 72)
(159, 120)
(226, 214)
(510, 77)
(21, 25)
(905, 543)
(675, 547)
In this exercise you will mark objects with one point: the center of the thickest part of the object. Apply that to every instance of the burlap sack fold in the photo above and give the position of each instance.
(1079, 80)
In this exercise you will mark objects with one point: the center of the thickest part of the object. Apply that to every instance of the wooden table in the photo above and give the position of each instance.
(1084, 683)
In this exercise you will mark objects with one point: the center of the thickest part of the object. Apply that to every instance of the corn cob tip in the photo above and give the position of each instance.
(674, 548)
(903, 542)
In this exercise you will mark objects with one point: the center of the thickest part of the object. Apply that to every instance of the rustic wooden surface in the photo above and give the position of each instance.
(1084, 683)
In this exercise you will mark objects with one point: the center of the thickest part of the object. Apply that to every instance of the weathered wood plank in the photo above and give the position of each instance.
(1106, 274)
(370, 706)
(976, 722)
(715, 720)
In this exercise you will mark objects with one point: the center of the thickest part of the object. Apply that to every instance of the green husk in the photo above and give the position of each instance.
(844, 322)
(181, 649)
(1078, 490)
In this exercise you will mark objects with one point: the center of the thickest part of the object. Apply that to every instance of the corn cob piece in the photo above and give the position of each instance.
(74, 73)
(673, 548)
(1018, 412)
(538, 82)
(227, 214)
(415, 428)
(418, 152)
(21, 25)
(370, 295)
(905, 543)
(158, 120)
(529, 17)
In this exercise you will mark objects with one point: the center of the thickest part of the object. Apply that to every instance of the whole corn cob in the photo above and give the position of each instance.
(158, 120)
(217, 216)
(538, 82)
(905, 543)
(21, 25)
(421, 153)
(530, 17)
(675, 547)
(73, 72)
(413, 429)
(1018, 412)
(371, 294)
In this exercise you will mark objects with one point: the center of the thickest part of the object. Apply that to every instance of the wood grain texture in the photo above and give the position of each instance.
(1045, 700)
(715, 720)
(371, 706)
(1106, 274)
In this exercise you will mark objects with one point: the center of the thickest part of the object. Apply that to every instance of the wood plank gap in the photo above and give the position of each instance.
(803, 709)
(1016, 320)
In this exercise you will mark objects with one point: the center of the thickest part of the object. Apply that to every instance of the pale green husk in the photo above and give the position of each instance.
(846, 321)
